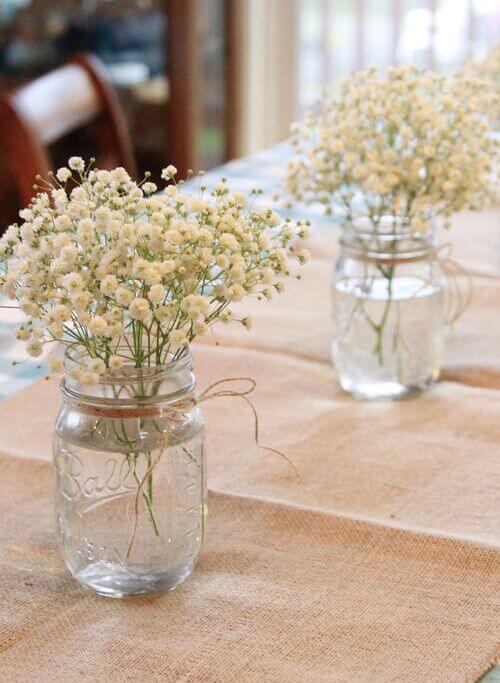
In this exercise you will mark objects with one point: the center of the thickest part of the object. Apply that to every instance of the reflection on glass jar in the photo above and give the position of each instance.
(388, 312)
(130, 479)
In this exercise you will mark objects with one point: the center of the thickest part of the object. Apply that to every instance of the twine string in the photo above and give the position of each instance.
(174, 412)
(458, 299)
(208, 394)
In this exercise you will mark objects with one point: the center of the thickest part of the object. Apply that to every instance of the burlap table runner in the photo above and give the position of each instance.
(281, 593)
(429, 464)
(391, 574)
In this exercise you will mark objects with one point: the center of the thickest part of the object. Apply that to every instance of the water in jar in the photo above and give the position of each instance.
(118, 545)
(387, 335)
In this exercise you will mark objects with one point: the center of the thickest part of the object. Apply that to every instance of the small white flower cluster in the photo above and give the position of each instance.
(129, 275)
(413, 145)
(486, 70)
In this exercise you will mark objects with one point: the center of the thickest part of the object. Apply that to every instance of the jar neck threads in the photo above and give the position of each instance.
(130, 386)
(390, 240)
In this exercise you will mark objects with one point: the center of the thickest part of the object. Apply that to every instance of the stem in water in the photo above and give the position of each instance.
(378, 349)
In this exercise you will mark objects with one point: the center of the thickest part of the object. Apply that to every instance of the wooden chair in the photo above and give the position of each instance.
(36, 115)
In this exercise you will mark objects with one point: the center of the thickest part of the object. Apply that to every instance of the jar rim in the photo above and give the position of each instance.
(393, 240)
(383, 225)
(386, 256)
(129, 375)
(76, 355)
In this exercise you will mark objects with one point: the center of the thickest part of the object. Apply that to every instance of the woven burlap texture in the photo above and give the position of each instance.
(281, 593)
(380, 563)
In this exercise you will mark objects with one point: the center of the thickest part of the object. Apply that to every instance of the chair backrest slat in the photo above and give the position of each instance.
(58, 103)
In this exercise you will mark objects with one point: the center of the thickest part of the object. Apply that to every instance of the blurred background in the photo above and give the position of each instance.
(197, 82)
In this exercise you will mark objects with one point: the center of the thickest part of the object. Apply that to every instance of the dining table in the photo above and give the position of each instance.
(369, 553)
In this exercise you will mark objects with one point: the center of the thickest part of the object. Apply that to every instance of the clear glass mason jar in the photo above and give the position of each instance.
(388, 311)
(130, 478)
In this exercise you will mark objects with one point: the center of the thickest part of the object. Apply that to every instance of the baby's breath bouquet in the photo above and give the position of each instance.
(126, 277)
(106, 264)
(412, 145)
(486, 70)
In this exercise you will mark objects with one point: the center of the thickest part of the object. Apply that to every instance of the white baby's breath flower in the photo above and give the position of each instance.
(36, 333)
(179, 337)
(26, 214)
(69, 253)
(115, 362)
(34, 347)
(56, 329)
(235, 292)
(63, 174)
(197, 204)
(22, 333)
(80, 299)
(199, 327)
(89, 377)
(76, 163)
(304, 255)
(124, 296)
(240, 198)
(120, 174)
(72, 282)
(96, 365)
(140, 268)
(76, 373)
(98, 325)
(168, 172)
(222, 261)
(171, 190)
(109, 284)
(116, 331)
(165, 312)
(27, 233)
(157, 293)
(60, 313)
(228, 241)
(139, 309)
(167, 267)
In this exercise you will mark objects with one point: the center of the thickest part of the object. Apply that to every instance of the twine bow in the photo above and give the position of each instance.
(173, 413)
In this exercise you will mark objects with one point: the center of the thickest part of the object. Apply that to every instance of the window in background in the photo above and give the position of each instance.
(336, 36)
(213, 141)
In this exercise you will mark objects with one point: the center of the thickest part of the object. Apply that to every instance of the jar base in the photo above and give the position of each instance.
(390, 391)
(114, 581)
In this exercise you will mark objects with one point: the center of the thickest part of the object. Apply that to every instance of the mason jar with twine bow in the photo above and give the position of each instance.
(130, 474)
(393, 293)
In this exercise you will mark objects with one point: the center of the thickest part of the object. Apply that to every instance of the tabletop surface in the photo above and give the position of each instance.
(263, 170)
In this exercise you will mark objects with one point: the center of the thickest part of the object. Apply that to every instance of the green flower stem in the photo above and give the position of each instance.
(379, 329)
(147, 496)
(132, 463)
